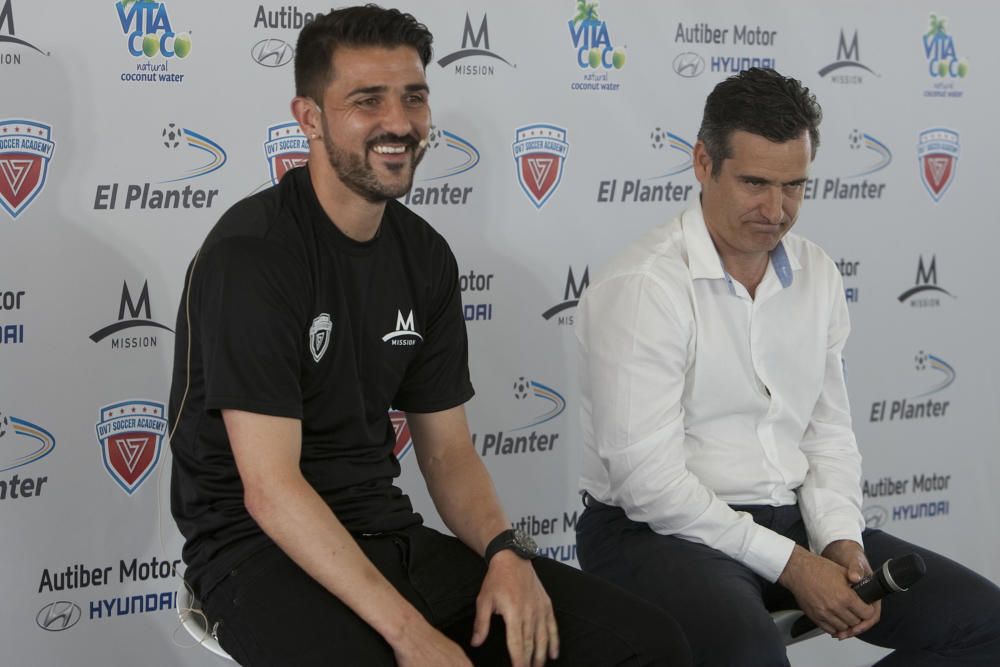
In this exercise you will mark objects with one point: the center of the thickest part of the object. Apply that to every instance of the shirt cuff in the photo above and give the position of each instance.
(835, 526)
(768, 553)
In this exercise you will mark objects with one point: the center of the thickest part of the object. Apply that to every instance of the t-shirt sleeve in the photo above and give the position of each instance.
(250, 299)
(438, 378)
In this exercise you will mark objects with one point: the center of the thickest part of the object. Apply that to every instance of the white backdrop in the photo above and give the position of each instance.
(115, 162)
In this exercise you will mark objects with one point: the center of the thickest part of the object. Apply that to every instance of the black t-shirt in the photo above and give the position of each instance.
(289, 317)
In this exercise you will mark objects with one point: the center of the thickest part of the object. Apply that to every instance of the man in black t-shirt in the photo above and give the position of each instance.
(309, 310)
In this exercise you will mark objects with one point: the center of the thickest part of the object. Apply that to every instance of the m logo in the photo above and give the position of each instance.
(7, 22)
(404, 328)
(926, 282)
(58, 616)
(319, 336)
(572, 293)
(286, 148)
(848, 55)
(25, 151)
(131, 437)
(845, 52)
(272, 52)
(937, 151)
(473, 44)
(139, 314)
(539, 154)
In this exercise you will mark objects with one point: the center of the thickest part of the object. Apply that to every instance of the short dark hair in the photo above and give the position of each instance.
(762, 102)
(369, 25)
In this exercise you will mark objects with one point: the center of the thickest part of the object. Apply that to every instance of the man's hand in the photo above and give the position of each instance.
(512, 590)
(421, 645)
(850, 555)
(823, 591)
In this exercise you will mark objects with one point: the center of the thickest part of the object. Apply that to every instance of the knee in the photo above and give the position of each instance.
(742, 639)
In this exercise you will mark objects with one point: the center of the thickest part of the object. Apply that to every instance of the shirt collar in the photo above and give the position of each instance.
(704, 260)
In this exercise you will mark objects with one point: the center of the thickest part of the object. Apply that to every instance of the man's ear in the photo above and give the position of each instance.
(702, 162)
(307, 112)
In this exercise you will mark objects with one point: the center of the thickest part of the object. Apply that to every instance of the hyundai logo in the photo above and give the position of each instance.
(876, 516)
(689, 64)
(272, 52)
(58, 616)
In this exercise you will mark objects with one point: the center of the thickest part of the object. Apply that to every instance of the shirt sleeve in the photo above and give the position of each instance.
(636, 350)
(438, 378)
(249, 297)
(830, 495)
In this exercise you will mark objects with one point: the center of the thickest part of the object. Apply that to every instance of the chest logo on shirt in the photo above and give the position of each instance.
(319, 336)
(405, 333)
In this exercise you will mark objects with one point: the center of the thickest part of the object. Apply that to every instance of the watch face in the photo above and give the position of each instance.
(524, 544)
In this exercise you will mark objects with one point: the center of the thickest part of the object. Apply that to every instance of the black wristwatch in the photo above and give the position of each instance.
(516, 540)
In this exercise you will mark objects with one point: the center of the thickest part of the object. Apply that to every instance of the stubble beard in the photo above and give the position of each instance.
(355, 171)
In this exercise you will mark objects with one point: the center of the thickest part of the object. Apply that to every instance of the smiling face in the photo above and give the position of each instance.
(754, 199)
(374, 114)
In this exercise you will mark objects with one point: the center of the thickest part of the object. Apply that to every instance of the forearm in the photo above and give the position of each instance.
(465, 497)
(293, 515)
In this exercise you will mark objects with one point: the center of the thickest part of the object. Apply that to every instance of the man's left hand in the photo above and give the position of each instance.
(512, 590)
(851, 556)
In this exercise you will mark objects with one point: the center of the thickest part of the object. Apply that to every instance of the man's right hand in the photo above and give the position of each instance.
(823, 591)
(421, 645)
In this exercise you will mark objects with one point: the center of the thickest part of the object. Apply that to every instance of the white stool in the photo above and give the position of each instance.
(785, 619)
(196, 623)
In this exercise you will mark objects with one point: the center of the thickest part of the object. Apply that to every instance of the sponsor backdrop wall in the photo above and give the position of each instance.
(562, 130)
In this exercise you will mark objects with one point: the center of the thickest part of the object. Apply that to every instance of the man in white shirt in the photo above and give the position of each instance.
(720, 470)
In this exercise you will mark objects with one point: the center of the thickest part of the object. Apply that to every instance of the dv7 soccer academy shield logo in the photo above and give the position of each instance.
(131, 435)
(937, 150)
(25, 150)
(539, 152)
(286, 148)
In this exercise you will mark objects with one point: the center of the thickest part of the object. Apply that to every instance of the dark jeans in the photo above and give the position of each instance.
(950, 617)
(270, 612)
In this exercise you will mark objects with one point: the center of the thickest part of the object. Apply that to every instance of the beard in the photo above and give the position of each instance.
(355, 171)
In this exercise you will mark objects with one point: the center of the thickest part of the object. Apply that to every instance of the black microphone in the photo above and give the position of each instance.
(895, 576)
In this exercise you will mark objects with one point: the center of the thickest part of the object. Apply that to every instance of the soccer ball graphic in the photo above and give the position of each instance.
(172, 136)
(521, 388)
(3, 425)
(433, 137)
(657, 136)
(855, 137)
(920, 360)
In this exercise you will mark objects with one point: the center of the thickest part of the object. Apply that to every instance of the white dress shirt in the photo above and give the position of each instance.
(695, 396)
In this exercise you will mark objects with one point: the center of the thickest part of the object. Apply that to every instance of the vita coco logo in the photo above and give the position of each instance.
(447, 155)
(943, 62)
(190, 155)
(535, 404)
(594, 49)
(21, 443)
(149, 33)
(670, 149)
(870, 156)
(904, 409)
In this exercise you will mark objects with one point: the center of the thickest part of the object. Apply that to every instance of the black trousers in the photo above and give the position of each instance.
(950, 617)
(270, 612)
